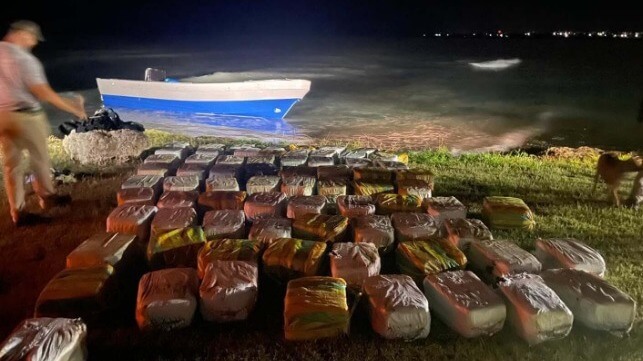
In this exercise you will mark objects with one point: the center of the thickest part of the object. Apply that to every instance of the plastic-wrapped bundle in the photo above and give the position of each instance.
(160, 170)
(46, 339)
(136, 196)
(464, 231)
(177, 199)
(224, 224)
(389, 203)
(268, 230)
(204, 159)
(144, 181)
(288, 160)
(219, 200)
(325, 172)
(300, 205)
(569, 253)
(594, 302)
(421, 258)
(288, 258)
(316, 161)
(132, 219)
(535, 310)
(229, 159)
(181, 183)
(355, 206)
(179, 152)
(175, 248)
(354, 262)
(465, 303)
(293, 171)
(443, 208)
(169, 161)
(507, 213)
(320, 227)
(260, 169)
(79, 292)
(167, 299)
(373, 175)
(397, 307)
(358, 162)
(298, 186)
(115, 249)
(500, 258)
(167, 219)
(263, 183)
(221, 184)
(229, 290)
(360, 153)
(265, 204)
(261, 159)
(374, 229)
(414, 227)
(194, 170)
(315, 307)
(325, 152)
(274, 151)
(228, 250)
(211, 151)
(389, 157)
(246, 151)
(370, 188)
(415, 174)
(416, 187)
(235, 171)
(332, 187)
(390, 164)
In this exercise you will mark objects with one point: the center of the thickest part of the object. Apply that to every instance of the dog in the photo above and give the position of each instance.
(611, 170)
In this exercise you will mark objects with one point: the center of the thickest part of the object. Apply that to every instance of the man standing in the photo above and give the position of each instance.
(23, 123)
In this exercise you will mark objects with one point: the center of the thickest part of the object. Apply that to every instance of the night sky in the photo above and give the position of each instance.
(143, 21)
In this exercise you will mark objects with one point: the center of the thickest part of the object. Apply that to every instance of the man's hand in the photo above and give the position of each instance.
(80, 104)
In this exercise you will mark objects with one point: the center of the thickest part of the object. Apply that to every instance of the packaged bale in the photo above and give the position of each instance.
(535, 310)
(294, 171)
(169, 161)
(373, 175)
(300, 205)
(175, 248)
(55, 339)
(354, 262)
(464, 231)
(594, 302)
(203, 159)
(371, 189)
(144, 181)
(167, 219)
(325, 152)
(355, 205)
(228, 171)
(132, 219)
(415, 174)
(177, 199)
(288, 258)
(222, 184)
(416, 187)
(224, 224)
(298, 186)
(167, 299)
(355, 154)
(218, 200)
(499, 258)
(296, 152)
(274, 151)
(263, 183)
(342, 171)
(213, 150)
(314, 308)
(320, 227)
(261, 159)
(265, 204)
(260, 169)
(421, 258)
(358, 162)
(443, 208)
(230, 159)
(390, 164)
(246, 151)
(79, 292)
(121, 251)
(267, 230)
(228, 250)
(569, 253)
(179, 152)
(397, 307)
(414, 227)
(388, 203)
(316, 161)
(159, 170)
(332, 187)
(181, 183)
(374, 229)
(465, 304)
(288, 160)
(143, 196)
(228, 291)
(193, 170)
(507, 213)
(388, 157)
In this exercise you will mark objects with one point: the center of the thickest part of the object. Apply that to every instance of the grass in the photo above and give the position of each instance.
(556, 188)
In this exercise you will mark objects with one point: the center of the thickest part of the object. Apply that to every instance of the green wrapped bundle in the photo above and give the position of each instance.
(368, 189)
(373, 174)
(175, 248)
(320, 227)
(421, 258)
(315, 307)
(389, 203)
(507, 213)
(288, 258)
(227, 250)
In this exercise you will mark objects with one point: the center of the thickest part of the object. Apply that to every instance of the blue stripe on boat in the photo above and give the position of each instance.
(269, 109)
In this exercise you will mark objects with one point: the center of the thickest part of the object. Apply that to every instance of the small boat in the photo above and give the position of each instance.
(270, 99)
(496, 64)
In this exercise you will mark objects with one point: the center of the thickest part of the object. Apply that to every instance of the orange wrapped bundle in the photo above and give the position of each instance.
(320, 227)
(177, 199)
(414, 227)
(224, 224)
(355, 205)
(228, 171)
(268, 230)
(115, 249)
(193, 170)
(300, 205)
(132, 219)
(222, 184)
(154, 169)
(265, 204)
(143, 196)
(144, 181)
(222, 200)
(443, 208)
(374, 229)
(169, 161)
(182, 183)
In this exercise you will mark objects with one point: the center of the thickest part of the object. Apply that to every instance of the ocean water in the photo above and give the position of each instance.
(401, 92)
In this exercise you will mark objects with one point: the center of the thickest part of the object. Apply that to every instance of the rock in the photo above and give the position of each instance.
(105, 147)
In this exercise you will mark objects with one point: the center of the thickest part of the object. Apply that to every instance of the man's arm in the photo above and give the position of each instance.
(44, 93)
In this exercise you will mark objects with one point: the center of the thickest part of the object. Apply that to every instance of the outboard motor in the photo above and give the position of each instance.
(153, 74)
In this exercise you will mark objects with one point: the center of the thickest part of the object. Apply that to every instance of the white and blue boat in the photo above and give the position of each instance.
(269, 99)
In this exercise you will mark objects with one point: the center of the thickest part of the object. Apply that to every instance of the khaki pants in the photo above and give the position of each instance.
(20, 131)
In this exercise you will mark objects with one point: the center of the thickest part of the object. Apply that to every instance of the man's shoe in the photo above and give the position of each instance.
(22, 219)
(54, 200)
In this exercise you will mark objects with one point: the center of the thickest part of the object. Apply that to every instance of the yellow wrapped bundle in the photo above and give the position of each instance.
(415, 174)
(315, 307)
(420, 258)
(368, 188)
(288, 258)
(227, 250)
(507, 212)
(175, 248)
(389, 203)
(320, 227)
